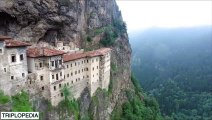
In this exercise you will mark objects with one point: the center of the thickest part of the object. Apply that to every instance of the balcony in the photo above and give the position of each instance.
(57, 81)
(56, 68)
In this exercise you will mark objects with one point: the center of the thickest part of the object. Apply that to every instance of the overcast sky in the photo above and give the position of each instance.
(140, 14)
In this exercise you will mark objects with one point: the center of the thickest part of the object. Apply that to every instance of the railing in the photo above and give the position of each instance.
(59, 67)
(58, 81)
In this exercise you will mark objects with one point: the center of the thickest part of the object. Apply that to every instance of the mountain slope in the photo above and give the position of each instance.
(175, 65)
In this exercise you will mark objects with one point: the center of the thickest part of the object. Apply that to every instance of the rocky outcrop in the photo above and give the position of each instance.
(72, 20)
(37, 20)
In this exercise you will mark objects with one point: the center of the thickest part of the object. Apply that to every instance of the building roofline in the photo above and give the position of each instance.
(2, 37)
(75, 56)
(37, 52)
(10, 43)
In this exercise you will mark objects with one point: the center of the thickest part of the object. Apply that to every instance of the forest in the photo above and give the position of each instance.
(175, 66)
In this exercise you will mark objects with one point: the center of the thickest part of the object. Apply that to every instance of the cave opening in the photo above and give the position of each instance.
(5, 21)
(51, 36)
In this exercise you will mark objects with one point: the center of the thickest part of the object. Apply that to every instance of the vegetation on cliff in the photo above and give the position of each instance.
(138, 107)
(4, 98)
(19, 102)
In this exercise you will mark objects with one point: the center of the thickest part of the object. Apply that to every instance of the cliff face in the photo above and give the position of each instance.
(72, 21)
(35, 20)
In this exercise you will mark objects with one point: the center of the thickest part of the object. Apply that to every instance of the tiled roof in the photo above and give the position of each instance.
(15, 43)
(73, 56)
(98, 52)
(43, 52)
(4, 37)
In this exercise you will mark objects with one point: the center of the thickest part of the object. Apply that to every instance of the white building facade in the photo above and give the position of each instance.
(13, 65)
(44, 71)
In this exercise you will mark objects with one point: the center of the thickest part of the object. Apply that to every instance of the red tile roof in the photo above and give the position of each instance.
(4, 37)
(73, 56)
(43, 52)
(15, 43)
(98, 52)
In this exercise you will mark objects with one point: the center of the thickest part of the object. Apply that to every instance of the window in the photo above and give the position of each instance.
(60, 85)
(72, 82)
(13, 58)
(96, 59)
(41, 65)
(23, 75)
(87, 61)
(76, 80)
(57, 77)
(55, 88)
(92, 60)
(68, 84)
(97, 67)
(21, 57)
(75, 72)
(87, 76)
(78, 63)
(60, 73)
(52, 76)
(78, 71)
(60, 62)
(71, 74)
(82, 62)
(67, 75)
(42, 88)
(1, 50)
(12, 77)
(75, 64)
(93, 68)
(52, 63)
(71, 65)
(5, 69)
(41, 77)
(82, 70)
(61, 94)
(86, 69)
(67, 66)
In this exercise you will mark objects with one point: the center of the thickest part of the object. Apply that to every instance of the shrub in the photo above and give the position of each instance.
(4, 98)
(120, 26)
(136, 84)
(69, 103)
(113, 67)
(20, 103)
(89, 39)
(108, 39)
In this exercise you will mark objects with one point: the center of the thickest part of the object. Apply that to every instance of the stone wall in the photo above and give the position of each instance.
(13, 74)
